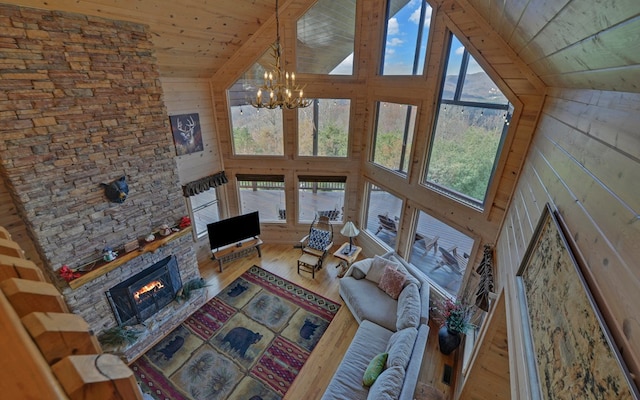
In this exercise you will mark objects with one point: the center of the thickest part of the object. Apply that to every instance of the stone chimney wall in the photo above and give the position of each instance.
(81, 104)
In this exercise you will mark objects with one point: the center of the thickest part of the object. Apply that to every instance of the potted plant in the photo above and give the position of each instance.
(456, 321)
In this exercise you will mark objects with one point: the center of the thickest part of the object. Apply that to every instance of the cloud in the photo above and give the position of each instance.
(460, 50)
(390, 52)
(393, 28)
(394, 42)
(415, 16)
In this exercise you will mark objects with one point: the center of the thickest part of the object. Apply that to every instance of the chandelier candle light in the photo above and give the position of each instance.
(280, 85)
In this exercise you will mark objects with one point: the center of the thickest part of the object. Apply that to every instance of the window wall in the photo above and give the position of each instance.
(262, 193)
(407, 31)
(323, 128)
(383, 215)
(441, 252)
(325, 38)
(393, 135)
(204, 210)
(472, 121)
(254, 131)
(321, 195)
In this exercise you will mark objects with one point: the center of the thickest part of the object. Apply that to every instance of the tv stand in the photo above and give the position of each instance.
(233, 251)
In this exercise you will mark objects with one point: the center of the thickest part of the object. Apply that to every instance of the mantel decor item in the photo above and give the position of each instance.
(568, 348)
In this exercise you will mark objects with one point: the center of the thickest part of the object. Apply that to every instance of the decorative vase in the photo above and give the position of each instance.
(449, 340)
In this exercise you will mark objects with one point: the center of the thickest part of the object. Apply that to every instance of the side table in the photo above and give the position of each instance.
(346, 258)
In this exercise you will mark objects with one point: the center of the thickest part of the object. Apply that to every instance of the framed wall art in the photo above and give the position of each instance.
(569, 350)
(187, 133)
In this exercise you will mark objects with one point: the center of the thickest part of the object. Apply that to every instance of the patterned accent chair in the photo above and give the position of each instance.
(319, 240)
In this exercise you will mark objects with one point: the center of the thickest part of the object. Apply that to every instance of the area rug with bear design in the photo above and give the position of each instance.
(248, 342)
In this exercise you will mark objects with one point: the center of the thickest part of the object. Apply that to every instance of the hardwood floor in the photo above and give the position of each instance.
(325, 358)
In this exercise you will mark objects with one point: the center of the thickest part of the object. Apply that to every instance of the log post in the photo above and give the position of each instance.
(59, 335)
(28, 296)
(96, 377)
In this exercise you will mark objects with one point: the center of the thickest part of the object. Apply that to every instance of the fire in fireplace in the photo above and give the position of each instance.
(139, 297)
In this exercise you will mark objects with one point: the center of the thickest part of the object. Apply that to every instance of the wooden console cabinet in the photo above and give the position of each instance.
(234, 251)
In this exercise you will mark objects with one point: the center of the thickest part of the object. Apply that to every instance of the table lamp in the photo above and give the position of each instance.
(349, 230)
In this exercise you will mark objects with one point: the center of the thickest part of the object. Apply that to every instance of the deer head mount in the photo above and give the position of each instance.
(116, 191)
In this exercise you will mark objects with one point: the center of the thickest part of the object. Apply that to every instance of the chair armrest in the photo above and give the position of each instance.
(304, 239)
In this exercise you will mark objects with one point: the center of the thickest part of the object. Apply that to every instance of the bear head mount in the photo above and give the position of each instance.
(116, 191)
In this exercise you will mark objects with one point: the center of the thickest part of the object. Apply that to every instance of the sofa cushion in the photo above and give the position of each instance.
(367, 301)
(400, 347)
(388, 385)
(357, 273)
(408, 309)
(392, 281)
(377, 268)
(369, 340)
(374, 369)
(403, 269)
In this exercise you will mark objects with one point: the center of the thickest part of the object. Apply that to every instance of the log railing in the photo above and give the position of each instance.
(49, 353)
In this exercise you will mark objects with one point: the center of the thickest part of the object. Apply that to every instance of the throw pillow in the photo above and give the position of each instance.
(388, 385)
(318, 239)
(400, 347)
(374, 369)
(402, 268)
(357, 273)
(409, 306)
(392, 281)
(377, 269)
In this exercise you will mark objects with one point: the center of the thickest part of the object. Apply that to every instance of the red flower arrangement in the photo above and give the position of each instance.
(456, 315)
(184, 222)
(68, 274)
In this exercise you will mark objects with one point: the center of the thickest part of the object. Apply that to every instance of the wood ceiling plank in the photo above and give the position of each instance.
(614, 47)
(579, 20)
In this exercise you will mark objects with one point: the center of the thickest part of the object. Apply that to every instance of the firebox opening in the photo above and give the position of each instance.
(139, 297)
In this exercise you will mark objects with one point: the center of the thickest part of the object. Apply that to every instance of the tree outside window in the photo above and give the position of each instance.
(395, 124)
(471, 125)
(254, 131)
(323, 128)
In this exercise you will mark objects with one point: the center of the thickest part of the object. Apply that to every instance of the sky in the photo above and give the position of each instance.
(402, 31)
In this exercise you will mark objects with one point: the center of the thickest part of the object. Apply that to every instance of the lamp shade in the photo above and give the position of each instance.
(349, 230)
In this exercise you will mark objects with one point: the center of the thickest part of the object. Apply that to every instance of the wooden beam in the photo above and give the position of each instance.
(96, 377)
(14, 267)
(59, 335)
(29, 296)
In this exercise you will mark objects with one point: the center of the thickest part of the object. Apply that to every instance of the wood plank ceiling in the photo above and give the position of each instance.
(568, 43)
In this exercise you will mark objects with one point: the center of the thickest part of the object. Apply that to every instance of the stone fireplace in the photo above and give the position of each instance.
(82, 106)
(136, 299)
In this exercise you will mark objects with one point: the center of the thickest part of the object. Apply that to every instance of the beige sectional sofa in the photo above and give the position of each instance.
(395, 326)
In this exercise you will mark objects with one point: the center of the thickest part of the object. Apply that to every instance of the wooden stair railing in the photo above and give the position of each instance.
(47, 351)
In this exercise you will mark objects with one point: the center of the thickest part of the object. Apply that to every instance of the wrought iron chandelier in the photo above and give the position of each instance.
(279, 88)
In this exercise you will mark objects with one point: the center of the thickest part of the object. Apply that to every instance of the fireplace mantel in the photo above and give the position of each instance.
(124, 258)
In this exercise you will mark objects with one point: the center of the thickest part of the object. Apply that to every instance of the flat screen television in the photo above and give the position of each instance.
(233, 230)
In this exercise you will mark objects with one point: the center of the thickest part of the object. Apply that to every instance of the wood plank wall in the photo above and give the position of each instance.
(585, 162)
